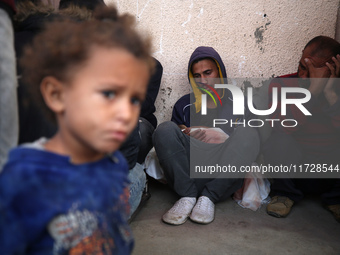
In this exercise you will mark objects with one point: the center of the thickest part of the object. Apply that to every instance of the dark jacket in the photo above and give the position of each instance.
(148, 106)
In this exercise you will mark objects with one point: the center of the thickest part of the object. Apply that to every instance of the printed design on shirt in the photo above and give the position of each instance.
(78, 233)
(124, 206)
(94, 244)
(124, 198)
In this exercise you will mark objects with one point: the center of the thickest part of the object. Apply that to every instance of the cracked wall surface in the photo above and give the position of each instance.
(256, 39)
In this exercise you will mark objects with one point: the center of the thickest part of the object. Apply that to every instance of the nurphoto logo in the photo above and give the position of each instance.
(238, 104)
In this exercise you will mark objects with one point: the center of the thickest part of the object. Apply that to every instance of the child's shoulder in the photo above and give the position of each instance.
(26, 163)
(31, 161)
(32, 154)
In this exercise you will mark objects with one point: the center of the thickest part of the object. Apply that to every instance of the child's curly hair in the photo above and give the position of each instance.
(66, 44)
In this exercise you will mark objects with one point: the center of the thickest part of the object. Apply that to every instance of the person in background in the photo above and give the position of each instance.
(69, 194)
(316, 138)
(178, 145)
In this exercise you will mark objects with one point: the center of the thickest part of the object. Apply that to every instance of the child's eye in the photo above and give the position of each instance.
(136, 101)
(109, 94)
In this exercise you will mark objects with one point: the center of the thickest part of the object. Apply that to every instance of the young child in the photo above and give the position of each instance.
(69, 194)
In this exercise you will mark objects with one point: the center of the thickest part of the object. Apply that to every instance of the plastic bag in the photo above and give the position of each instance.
(254, 192)
(152, 166)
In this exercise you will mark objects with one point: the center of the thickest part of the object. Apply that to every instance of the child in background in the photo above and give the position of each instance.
(69, 194)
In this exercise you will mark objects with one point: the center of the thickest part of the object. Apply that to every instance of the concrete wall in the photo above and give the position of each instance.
(258, 38)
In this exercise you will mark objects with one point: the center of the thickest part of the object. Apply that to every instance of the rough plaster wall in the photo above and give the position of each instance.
(258, 38)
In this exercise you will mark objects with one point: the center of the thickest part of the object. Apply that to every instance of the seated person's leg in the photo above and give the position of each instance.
(331, 198)
(137, 178)
(331, 187)
(240, 149)
(146, 130)
(288, 188)
(172, 148)
(281, 148)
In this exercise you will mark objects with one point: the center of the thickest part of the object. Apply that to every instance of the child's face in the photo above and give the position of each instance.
(102, 102)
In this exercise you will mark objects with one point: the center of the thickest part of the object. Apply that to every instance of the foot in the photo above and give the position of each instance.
(180, 212)
(335, 209)
(279, 206)
(204, 211)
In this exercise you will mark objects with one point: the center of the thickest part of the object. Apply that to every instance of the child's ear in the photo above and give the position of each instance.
(52, 91)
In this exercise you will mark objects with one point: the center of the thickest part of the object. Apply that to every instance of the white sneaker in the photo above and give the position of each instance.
(204, 211)
(179, 213)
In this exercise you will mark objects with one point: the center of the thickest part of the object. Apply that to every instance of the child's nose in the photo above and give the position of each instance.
(125, 111)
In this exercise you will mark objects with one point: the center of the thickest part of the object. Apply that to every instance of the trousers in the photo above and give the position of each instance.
(282, 149)
(174, 149)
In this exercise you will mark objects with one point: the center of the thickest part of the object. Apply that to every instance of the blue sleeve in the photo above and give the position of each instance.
(12, 229)
(21, 220)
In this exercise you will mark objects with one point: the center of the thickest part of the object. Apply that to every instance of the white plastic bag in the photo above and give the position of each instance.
(254, 192)
(152, 166)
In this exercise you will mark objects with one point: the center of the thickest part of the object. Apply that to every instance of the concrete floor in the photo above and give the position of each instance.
(309, 229)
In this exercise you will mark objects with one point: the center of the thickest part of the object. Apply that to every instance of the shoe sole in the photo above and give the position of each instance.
(174, 224)
(276, 215)
(203, 223)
